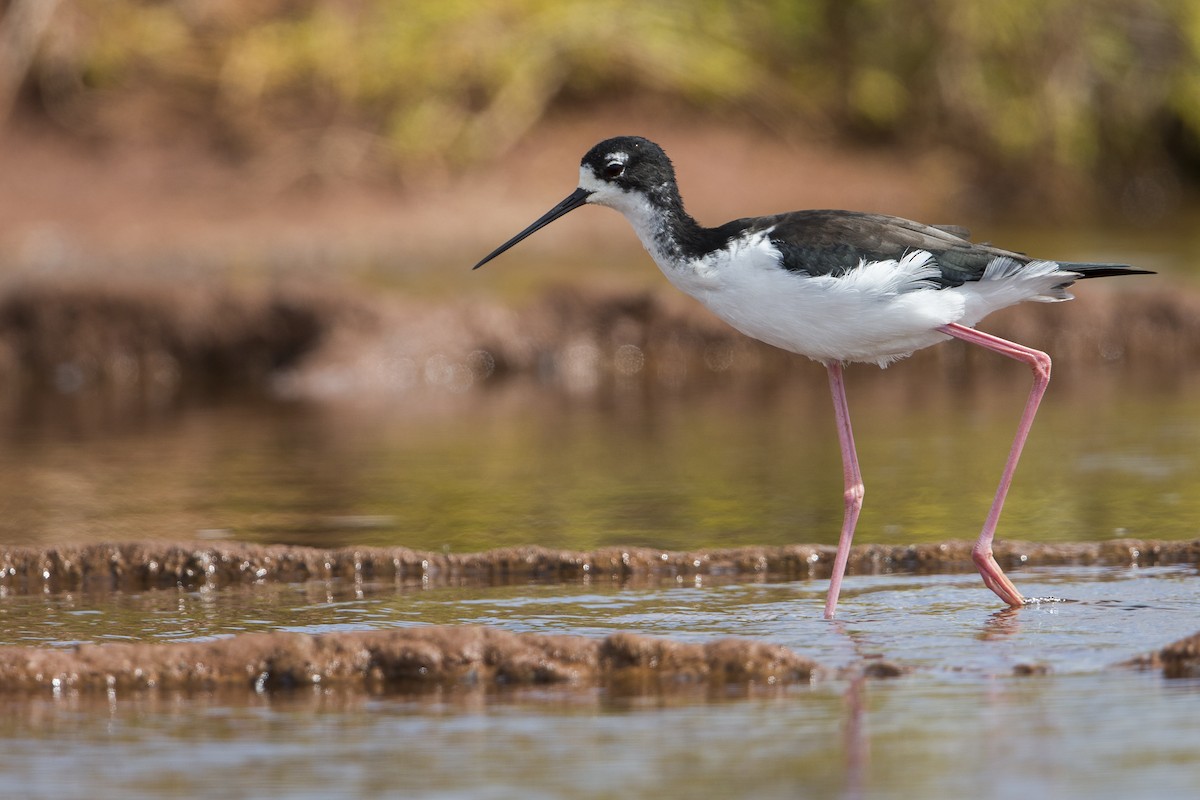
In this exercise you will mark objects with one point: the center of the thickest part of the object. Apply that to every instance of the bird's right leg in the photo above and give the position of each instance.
(853, 494)
(1039, 362)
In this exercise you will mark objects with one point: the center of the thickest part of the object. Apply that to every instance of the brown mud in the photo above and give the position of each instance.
(424, 658)
(1179, 659)
(428, 658)
(146, 565)
(402, 659)
(126, 336)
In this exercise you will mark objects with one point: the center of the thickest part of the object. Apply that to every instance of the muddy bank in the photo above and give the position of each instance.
(424, 658)
(70, 337)
(402, 659)
(1179, 659)
(168, 341)
(146, 565)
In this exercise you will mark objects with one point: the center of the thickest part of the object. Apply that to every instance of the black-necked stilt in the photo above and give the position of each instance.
(836, 286)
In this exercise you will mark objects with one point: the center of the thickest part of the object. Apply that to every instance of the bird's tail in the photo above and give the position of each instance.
(1087, 270)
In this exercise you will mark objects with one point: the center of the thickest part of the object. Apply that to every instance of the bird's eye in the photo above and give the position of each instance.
(613, 169)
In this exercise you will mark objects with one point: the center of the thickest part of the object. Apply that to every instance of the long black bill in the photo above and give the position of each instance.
(573, 201)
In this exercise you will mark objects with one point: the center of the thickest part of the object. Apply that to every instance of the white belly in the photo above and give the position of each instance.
(876, 313)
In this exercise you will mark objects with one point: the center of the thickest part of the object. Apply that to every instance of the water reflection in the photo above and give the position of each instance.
(728, 464)
(1002, 624)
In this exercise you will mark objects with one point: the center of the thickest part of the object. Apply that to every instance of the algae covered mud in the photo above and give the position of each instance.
(214, 598)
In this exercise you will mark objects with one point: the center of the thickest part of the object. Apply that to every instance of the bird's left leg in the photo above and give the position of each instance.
(853, 494)
(1039, 362)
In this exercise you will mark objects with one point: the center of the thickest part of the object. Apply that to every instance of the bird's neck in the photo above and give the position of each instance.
(666, 230)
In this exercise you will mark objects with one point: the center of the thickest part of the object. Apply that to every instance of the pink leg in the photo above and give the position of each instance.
(853, 483)
(1039, 362)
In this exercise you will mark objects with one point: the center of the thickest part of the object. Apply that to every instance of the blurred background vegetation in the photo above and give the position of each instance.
(1075, 94)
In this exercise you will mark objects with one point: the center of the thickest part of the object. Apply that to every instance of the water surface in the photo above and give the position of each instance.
(524, 464)
(958, 724)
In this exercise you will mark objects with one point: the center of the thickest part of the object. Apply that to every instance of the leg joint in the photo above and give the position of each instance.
(1042, 366)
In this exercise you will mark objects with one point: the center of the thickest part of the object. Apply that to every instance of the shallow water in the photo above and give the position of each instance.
(1098, 615)
(958, 725)
(522, 464)
(1092, 736)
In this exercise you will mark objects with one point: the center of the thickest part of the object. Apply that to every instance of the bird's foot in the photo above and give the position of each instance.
(995, 579)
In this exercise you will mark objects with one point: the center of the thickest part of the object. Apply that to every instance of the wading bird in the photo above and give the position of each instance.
(836, 286)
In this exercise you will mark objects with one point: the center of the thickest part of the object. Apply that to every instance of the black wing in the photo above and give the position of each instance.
(828, 242)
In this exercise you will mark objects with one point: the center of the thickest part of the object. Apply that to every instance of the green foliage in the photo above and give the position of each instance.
(1073, 86)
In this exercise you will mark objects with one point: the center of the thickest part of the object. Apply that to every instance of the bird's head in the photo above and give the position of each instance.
(628, 173)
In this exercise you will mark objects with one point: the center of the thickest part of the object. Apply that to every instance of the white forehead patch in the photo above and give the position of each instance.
(589, 181)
